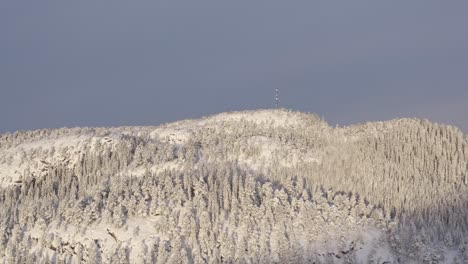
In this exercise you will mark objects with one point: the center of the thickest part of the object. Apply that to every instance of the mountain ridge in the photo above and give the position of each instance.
(385, 184)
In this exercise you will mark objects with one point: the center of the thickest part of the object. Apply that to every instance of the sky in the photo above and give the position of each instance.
(120, 62)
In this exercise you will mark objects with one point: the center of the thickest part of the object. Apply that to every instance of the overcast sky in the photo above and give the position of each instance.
(120, 62)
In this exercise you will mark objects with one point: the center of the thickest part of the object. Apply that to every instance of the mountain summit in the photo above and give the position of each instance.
(265, 186)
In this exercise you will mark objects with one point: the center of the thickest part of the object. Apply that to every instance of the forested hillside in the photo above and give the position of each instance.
(266, 186)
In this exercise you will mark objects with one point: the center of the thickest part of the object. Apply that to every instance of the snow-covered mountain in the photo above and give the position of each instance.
(266, 186)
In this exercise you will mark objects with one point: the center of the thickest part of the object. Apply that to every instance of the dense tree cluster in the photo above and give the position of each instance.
(284, 189)
(211, 214)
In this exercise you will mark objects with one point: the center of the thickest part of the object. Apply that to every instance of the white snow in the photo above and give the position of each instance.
(32, 159)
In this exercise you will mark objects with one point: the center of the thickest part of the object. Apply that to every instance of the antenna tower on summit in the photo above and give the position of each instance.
(277, 98)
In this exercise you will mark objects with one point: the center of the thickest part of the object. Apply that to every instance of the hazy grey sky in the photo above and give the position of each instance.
(120, 62)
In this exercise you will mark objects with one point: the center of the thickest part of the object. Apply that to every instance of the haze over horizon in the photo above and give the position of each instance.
(119, 63)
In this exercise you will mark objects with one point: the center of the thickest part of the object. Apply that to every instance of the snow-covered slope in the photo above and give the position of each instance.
(254, 186)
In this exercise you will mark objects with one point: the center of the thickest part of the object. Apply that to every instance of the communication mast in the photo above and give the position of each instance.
(277, 98)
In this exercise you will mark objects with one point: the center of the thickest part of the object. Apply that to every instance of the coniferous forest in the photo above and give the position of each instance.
(265, 186)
